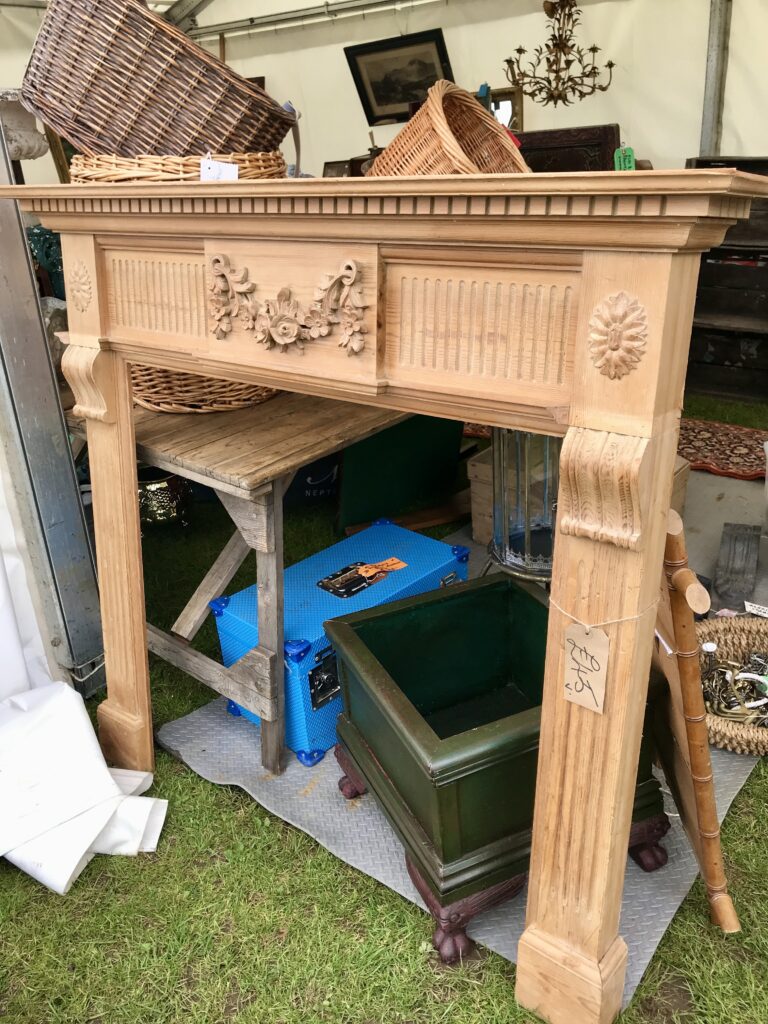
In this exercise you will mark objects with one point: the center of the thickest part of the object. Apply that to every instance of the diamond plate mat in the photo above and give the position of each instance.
(226, 751)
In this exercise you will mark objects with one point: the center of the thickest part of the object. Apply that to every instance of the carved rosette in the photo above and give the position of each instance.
(283, 322)
(618, 335)
(79, 287)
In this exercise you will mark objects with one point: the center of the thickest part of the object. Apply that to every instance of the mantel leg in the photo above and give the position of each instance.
(101, 384)
(616, 475)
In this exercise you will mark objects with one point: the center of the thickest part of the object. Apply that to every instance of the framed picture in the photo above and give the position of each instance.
(393, 74)
(337, 169)
(507, 108)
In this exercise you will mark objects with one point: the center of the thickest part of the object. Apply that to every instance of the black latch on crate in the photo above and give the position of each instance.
(324, 680)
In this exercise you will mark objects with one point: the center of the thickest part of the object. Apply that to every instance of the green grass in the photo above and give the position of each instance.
(720, 410)
(240, 918)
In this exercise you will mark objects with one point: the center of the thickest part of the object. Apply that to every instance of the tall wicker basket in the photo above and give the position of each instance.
(450, 134)
(112, 77)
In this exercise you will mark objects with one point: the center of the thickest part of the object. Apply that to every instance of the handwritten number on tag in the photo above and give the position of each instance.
(586, 666)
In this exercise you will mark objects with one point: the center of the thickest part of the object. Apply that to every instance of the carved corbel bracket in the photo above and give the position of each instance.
(600, 487)
(86, 373)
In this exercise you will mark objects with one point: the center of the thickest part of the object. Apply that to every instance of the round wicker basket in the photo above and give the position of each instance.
(170, 391)
(451, 133)
(736, 639)
(91, 170)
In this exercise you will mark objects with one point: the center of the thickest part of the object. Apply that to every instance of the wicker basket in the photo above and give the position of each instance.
(170, 391)
(735, 639)
(450, 134)
(94, 169)
(112, 77)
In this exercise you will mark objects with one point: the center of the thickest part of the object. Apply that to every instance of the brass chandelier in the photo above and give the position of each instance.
(560, 71)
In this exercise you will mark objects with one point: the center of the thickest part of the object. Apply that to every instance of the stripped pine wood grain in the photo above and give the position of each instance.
(610, 264)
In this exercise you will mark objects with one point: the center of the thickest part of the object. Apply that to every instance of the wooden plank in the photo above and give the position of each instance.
(249, 681)
(238, 452)
(214, 583)
(271, 600)
(253, 519)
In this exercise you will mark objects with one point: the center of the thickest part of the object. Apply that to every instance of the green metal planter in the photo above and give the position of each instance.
(442, 697)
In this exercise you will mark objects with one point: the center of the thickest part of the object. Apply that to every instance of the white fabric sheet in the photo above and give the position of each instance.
(59, 802)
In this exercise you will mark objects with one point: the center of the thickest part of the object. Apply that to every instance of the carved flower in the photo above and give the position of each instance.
(79, 287)
(353, 328)
(284, 329)
(317, 324)
(249, 315)
(618, 335)
(261, 329)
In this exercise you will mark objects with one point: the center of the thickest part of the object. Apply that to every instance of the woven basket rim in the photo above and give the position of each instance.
(167, 167)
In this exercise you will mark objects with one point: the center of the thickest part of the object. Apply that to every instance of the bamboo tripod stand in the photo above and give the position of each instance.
(682, 596)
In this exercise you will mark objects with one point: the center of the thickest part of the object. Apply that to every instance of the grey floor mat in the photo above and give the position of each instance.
(225, 750)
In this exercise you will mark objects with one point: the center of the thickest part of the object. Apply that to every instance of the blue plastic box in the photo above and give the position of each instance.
(377, 565)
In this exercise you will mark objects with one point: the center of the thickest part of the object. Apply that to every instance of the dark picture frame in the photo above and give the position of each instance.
(391, 75)
(337, 169)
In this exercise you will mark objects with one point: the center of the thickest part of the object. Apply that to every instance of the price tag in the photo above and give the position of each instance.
(756, 609)
(218, 170)
(586, 666)
(624, 159)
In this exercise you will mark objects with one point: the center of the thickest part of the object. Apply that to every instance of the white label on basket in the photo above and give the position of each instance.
(217, 170)
(756, 609)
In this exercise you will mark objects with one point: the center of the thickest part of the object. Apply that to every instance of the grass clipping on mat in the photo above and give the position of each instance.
(241, 918)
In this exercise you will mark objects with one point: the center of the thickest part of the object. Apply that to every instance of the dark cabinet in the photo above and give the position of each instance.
(729, 343)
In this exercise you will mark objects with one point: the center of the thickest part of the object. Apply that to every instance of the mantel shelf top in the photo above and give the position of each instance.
(718, 181)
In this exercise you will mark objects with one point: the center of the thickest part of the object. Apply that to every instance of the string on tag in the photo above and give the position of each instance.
(587, 626)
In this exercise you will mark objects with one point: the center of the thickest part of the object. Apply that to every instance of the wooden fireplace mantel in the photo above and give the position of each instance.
(560, 303)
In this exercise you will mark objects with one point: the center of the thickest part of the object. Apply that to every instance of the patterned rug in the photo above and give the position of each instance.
(724, 449)
(719, 448)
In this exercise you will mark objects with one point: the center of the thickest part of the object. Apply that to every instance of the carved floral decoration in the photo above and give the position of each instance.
(618, 335)
(283, 322)
(79, 287)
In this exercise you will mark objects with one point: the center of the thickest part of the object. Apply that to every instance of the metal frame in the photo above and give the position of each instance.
(36, 447)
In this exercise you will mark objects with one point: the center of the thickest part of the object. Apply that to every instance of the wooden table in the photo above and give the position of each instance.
(558, 303)
(249, 458)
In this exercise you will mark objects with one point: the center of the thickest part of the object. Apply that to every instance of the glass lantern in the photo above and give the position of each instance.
(525, 479)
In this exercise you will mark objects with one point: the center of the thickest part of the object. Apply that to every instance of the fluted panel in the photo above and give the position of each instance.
(481, 327)
(156, 296)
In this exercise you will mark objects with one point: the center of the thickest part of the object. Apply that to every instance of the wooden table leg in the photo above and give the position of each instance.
(260, 521)
(101, 384)
(270, 570)
(616, 473)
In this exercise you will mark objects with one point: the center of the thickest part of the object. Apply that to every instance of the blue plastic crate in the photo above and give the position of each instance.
(341, 579)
